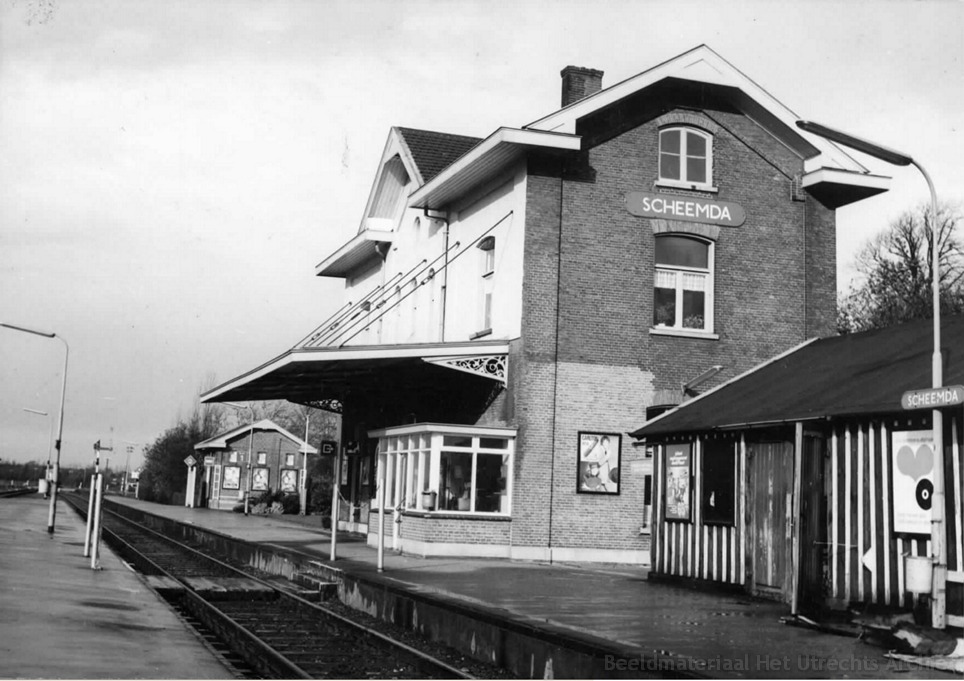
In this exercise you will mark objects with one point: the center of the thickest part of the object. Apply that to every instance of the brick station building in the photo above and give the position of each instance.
(515, 304)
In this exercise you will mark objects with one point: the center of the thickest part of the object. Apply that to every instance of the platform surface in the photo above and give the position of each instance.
(732, 636)
(60, 619)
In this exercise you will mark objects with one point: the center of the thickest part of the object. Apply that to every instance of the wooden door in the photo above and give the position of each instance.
(770, 525)
(813, 527)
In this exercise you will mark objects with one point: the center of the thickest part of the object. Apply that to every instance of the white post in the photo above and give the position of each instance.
(95, 550)
(336, 473)
(381, 512)
(304, 468)
(90, 504)
(189, 492)
(90, 519)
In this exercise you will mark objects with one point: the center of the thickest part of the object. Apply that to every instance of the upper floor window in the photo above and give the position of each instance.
(683, 283)
(685, 157)
(487, 249)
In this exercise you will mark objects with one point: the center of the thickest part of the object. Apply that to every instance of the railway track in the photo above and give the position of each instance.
(258, 629)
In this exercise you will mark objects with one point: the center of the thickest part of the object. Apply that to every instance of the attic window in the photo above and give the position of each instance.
(390, 185)
(685, 158)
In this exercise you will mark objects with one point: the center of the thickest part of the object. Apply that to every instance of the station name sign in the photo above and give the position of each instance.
(686, 208)
(933, 398)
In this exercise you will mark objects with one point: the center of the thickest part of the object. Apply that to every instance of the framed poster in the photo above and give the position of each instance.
(913, 480)
(597, 471)
(289, 480)
(259, 481)
(677, 482)
(232, 477)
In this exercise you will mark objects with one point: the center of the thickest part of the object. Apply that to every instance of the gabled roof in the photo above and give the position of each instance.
(223, 440)
(852, 375)
(432, 152)
(703, 65)
(829, 172)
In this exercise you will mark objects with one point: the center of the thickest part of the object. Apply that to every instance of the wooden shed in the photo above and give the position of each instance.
(806, 479)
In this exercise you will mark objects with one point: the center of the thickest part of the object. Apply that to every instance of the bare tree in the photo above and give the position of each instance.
(897, 273)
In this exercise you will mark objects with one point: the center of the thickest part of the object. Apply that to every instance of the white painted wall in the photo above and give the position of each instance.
(409, 310)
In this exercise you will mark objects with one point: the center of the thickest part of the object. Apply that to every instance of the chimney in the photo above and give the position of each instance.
(579, 82)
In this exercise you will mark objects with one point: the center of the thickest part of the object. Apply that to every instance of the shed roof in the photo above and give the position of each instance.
(223, 440)
(435, 151)
(856, 374)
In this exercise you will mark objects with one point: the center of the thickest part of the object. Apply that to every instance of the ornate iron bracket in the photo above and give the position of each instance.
(487, 366)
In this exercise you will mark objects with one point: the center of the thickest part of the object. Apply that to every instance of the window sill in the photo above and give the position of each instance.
(454, 515)
(672, 184)
(481, 334)
(683, 333)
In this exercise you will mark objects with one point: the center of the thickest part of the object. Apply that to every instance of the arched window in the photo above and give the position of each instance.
(685, 157)
(683, 283)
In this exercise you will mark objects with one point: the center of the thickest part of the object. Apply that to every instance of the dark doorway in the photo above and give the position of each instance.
(813, 527)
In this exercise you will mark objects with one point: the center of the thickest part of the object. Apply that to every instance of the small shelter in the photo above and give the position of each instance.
(808, 479)
(250, 459)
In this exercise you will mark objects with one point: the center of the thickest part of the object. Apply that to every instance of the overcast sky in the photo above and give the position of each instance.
(172, 172)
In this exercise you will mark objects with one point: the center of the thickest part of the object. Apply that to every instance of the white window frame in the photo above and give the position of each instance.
(423, 445)
(683, 181)
(678, 272)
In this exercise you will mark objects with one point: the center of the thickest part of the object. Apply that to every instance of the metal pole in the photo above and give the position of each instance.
(247, 482)
(336, 472)
(381, 515)
(55, 475)
(938, 543)
(95, 548)
(304, 467)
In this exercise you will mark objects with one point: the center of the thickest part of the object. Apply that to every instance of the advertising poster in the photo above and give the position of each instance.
(232, 477)
(289, 481)
(913, 480)
(677, 482)
(597, 471)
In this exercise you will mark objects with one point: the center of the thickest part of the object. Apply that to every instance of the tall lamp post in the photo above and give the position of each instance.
(938, 546)
(55, 481)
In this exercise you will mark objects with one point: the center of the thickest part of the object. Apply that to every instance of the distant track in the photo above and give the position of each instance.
(275, 633)
(19, 492)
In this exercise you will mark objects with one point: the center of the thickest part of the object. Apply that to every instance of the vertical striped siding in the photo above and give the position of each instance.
(885, 505)
(874, 540)
(860, 514)
(741, 519)
(696, 549)
(834, 514)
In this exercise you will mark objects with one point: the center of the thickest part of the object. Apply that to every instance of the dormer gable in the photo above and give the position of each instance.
(830, 173)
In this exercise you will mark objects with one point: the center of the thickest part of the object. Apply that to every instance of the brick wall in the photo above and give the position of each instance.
(587, 360)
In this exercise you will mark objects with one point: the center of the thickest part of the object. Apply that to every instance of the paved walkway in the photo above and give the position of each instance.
(728, 636)
(59, 619)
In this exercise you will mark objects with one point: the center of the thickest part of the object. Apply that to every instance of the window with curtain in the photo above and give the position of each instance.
(683, 283)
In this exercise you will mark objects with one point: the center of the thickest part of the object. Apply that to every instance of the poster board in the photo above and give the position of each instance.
(597, 468)
(678, 495)
(912, 454)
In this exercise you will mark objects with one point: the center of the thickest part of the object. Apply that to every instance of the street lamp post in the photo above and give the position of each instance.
(55, 481)
(938, 546)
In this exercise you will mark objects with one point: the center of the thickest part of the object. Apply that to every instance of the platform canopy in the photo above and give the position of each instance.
(309, 375)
